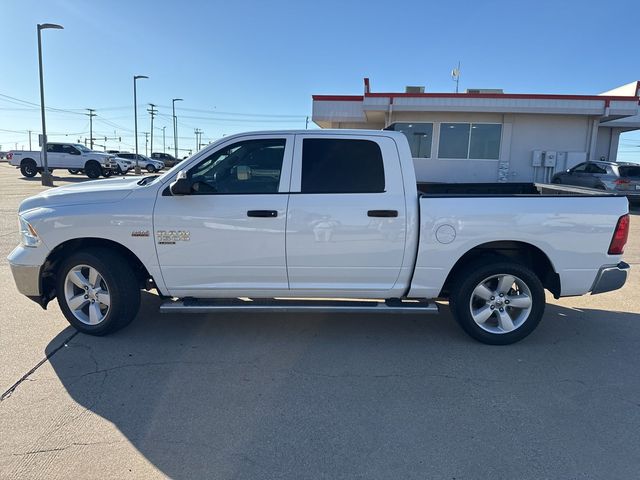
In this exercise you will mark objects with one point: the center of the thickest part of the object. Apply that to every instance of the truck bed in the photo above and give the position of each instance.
(503, 189)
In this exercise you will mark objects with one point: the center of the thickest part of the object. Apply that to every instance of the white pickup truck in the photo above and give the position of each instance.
(70, 156)
(310, 221)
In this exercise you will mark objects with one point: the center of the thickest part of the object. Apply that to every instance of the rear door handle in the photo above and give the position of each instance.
(262, 213)
(382, 213)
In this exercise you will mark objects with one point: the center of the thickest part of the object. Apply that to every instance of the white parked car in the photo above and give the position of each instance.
(122, 168)
(277, 218)
(70, 156)
(145, 163)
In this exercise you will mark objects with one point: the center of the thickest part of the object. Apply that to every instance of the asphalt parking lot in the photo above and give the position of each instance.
(316, 396)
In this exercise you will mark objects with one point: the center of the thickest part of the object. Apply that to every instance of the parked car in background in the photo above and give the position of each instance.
(70, 156)
(167, 159)
(122, 168)
(618, 177)
(285, 217)
(145, 163)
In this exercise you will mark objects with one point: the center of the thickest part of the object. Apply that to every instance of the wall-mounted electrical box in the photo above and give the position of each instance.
(536, 158)
(549, 158)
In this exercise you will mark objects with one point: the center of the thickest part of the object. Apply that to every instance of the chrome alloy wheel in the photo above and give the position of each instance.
(87, 294)
(500, 303)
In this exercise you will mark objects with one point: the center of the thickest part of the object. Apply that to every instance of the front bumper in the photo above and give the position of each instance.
(610, 277)
(27, 278)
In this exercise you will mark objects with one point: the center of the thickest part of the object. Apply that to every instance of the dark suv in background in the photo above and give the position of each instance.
(168, 160)
(615, 177)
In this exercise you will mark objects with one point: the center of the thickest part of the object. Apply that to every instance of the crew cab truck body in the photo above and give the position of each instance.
(268, 221)
(70, 156)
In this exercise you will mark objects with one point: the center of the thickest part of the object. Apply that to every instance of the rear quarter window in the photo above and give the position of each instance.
(629, 171)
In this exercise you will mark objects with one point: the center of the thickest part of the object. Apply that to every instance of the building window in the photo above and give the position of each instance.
(341, 166)
(419, 136)
(479, 141)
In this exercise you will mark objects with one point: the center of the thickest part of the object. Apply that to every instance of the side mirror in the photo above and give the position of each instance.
(182, 185)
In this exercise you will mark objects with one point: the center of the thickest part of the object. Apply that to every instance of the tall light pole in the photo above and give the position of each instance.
(135, 117)
(175, 125)
(163, 140)
(47, 181)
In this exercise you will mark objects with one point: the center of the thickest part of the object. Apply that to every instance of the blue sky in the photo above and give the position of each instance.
(247, 65)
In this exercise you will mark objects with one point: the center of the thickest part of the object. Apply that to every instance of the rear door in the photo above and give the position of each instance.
(346, 219)
(55, 156)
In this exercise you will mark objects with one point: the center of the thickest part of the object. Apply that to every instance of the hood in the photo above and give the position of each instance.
(96, 191)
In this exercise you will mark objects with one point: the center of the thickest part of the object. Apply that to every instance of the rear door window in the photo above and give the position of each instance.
(332, 165)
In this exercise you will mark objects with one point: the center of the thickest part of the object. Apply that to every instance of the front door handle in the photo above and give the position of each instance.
(262, 213)
(382, 213)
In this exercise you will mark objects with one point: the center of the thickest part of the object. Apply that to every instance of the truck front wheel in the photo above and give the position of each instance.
(97, 291)
(93, 169)
(497, 303)
(28, 168)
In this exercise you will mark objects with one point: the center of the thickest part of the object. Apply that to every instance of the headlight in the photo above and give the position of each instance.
(28, 234)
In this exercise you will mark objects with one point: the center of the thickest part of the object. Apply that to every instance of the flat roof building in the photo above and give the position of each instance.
(486, 135)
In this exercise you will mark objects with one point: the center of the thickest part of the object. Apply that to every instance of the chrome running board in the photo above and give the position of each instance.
(261, 305)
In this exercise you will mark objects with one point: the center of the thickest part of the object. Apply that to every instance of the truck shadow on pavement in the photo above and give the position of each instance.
(354, 395)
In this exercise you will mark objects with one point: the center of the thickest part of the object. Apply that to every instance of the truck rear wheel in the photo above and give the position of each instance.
(28, 168)
(497, 303)
(97, 291)
(93, 169)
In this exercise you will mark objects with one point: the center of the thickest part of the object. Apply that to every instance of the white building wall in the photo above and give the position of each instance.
(556, 133)
(521, 135)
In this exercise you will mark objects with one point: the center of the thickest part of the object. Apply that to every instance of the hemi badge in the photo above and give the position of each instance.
(140, 233)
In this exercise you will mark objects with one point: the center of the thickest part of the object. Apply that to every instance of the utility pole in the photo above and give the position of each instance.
(29, 139)
(146, 143)
(152, 113)
(198, 133)
(163, 140)
(91, 115)
(175, 125)
(306, 124)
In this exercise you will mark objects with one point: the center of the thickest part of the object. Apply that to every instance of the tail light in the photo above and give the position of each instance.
(9, 156)
(620, 236)
(622, 181)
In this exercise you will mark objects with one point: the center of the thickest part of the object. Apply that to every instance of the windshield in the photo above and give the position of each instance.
(81, 147)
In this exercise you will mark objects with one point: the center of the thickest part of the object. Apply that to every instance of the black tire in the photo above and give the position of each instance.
(73, 171)
(471, 277)
(119, 171)
(123, 289)
(28, 168)
(151, 169)
(93, 169)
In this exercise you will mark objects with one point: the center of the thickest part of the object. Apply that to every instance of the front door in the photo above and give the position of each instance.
(347, 217)
(227, 238)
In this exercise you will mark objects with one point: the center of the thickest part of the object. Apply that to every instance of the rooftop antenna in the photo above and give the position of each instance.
(455, 75)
